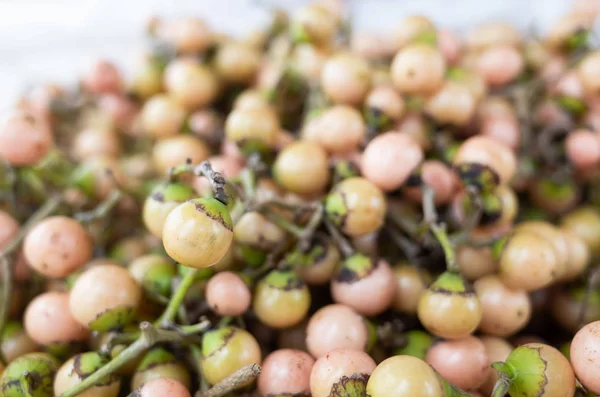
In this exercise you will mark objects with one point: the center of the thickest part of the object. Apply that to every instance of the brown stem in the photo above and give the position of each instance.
(339, 239)
(216, 179)
(472, 219)
(438, 229)
(234, 381)
(311, 227)
(271, 260)
(102, 210)
(407, 246)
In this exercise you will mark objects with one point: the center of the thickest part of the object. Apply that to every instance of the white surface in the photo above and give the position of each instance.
(51, 40)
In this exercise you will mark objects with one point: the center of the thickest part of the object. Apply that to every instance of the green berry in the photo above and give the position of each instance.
(30, 375)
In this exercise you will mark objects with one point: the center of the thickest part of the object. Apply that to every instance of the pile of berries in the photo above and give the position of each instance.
(309, 211)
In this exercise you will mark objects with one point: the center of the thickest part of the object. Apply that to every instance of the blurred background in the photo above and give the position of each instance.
(52, 40)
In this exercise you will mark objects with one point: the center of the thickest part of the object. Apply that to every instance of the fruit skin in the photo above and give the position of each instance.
(163, 199)
(357, 206)
(540, 370)
(281, 299)
(585, 223)
(88, 298)
(198, 233)
(163, 387)
(317, 265)
(449, 308)
(340, 373)
(528, 261)
(336, 327)
(584, 356)
(77, 368)
(226, 350)
(159, 363)
(49, 247)
(302, 167)
(404, 376)
(366, 286)
(42, 368)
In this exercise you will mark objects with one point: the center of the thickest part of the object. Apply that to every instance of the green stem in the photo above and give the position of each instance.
(506, 376)
(195, 328)
(406, 245)
(44, 211)
(174, 172)
(473, 217)
(283, 223)
(501, 387)
(345, 247)
(122, 339)
(234, 381)
(248, 180)
(196, 360)
(271, 260)
(6, 293)
(438, 230)
(182, 315)
(102, 210)
(452, 391)
(310, 228)
(150, 336)
(224, 321)
(177, 298)
(404, 222)
(7, 271)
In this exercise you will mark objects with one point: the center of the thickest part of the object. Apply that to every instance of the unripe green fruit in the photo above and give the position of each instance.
(34, 372)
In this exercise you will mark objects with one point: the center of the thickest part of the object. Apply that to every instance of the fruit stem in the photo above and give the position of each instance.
(224, 321)
(505, 378)
(44, 211)
(149, 337)
(8, 180)
(283, 223)
(177, 298)
(404, 222)
(174, 172)
(6, 292)
(438, 229)
(195, 328)
(406, 245)
(271, 260)
(7, 272)
(342, 243)
(248, 180)
(310, 228)
(452, 391)
(473, 217)
(216, 179)
(102, 209)
(234, 381)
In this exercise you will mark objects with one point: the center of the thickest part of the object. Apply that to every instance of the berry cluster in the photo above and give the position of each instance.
(309, 211)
